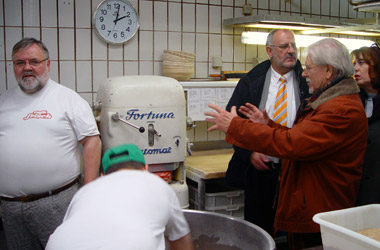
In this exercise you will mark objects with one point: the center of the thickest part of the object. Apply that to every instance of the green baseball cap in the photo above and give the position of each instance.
(122, 153)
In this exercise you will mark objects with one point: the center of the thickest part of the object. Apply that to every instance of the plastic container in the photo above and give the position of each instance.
(339, 228)
(236, 211)
(219, 199)
(228, 202)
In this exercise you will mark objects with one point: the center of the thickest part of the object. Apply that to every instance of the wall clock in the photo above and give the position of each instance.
(116, 21)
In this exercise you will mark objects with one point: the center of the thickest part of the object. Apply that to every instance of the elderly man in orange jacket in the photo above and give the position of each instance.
(323, 152)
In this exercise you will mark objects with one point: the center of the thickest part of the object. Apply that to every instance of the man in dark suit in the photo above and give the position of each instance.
(256, 173)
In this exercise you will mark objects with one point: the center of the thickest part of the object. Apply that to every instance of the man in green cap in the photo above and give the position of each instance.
(128, 208)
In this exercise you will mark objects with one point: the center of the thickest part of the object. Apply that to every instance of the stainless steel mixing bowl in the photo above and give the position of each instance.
(213, 231)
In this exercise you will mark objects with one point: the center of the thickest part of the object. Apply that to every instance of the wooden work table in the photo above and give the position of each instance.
(207, 165)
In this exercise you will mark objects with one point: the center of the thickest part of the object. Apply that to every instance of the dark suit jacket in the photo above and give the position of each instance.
(250, 89)
(369, 191)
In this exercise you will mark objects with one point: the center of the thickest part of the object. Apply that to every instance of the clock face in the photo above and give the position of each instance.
(116, 21)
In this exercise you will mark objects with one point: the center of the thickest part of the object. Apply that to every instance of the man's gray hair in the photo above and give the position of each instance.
(271, 34)
(26, 43)
(330, 51)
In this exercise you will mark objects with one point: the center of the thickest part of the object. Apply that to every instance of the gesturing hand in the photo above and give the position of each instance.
(254, 114)
(222, 118)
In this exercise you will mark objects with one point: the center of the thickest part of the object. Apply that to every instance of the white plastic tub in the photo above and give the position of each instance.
(339, 228)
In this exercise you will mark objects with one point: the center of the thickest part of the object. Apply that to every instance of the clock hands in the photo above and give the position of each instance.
(117, 16)
(118, 19)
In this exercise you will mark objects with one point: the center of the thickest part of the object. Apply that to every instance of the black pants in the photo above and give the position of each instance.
(259, 198)
(304, 240)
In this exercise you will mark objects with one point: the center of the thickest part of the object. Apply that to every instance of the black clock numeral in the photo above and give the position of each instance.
(128, 29)
(115, 35)
(116, 6)
(101, 19)
(122, 34)
(128, 14)
(108, 6)
(129, 21)
(103, 11)
(109, 32)
(103, 27)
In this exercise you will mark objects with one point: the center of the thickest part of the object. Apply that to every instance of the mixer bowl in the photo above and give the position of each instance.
(212, 231)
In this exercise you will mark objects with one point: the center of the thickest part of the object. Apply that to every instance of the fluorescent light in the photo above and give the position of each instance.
(309, 26)
(358, 33)
(259, 38)
(359, 30)
(275, 26)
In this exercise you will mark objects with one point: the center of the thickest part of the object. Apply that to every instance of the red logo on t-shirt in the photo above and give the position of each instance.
(38, 114)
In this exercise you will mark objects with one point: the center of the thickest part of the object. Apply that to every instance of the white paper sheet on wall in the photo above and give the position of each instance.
(199, 98)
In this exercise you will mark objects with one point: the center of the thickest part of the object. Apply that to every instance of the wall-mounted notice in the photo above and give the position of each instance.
(199, 98)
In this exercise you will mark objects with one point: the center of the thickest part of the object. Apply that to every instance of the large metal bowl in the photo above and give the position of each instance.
(212, 231)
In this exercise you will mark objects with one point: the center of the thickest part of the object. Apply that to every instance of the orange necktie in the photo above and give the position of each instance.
(280, 107)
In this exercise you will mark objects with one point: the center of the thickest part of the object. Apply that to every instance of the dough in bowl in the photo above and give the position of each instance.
(373, 233)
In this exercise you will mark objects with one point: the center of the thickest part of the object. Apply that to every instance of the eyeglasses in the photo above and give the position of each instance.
(285, 46)
(33, 62)
(309, 68)
(375, 45)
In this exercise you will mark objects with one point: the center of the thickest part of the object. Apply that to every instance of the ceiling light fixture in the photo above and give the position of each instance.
(259, 38)
(306, 25)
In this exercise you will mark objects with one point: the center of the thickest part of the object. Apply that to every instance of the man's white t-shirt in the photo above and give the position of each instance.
(39, 138)
(128, 209)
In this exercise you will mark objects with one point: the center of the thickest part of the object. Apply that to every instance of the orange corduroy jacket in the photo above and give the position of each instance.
(322, 155)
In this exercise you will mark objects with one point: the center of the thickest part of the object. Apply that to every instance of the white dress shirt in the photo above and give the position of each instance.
(273, 88)
(369, 104)
(291, 102)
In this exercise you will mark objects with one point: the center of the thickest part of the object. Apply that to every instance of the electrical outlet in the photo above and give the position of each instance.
(247, 9)
(216, 61)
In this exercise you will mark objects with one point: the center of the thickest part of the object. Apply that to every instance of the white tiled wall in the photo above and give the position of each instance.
(81, 61)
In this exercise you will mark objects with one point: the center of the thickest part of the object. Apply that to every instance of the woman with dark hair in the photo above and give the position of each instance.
(367, 74)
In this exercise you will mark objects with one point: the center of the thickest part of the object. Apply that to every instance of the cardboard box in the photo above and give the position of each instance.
(339, 228)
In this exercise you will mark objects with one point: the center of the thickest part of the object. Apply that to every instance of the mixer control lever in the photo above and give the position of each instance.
(189, 145)
(151, 133)
(189, 123)
(116, 117)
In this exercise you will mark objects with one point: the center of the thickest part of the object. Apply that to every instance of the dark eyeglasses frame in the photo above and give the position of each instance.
(33, 62)
(285, 46)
